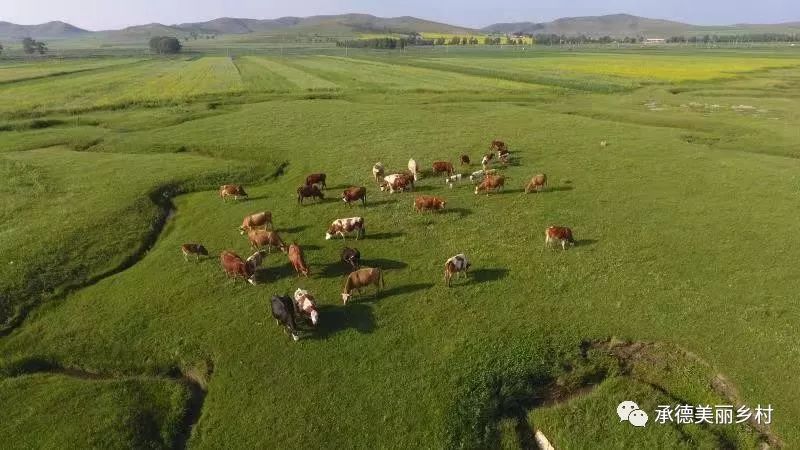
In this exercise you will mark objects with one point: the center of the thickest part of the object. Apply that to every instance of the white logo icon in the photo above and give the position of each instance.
(629, 411)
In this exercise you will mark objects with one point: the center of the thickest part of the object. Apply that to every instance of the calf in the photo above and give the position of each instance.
(490, 183)
(306, 305)
(351, 256)
(425, 202)
(361, 278)
(554, 234)
(316, 179)
(537, 183)
(377, 172)
(251, 222)
(413, 169)
(353, 194)
(231, 190)
(234, 267)
(297, 260)
(269, 239)
(196, 250)
(304, 192)
(342, 227)
(465, 160)
(442, 167)
(254, 261)
(283, 312)
(455, 266)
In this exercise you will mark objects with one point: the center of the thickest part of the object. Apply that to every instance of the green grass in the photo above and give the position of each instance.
(685, 222)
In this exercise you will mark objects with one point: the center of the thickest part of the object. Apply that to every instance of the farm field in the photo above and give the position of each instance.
(681, 288)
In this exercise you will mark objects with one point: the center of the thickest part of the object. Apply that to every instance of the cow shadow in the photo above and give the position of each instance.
(296, 229)
(380, 202)
(462, 212)
(334, 319)
(426, 187)
(379, 236)
(335, 270)
(484, 275)
(405, 289)
(585, 242)
(272, 274)
(256, 197)
(560, 189)
(384, 264)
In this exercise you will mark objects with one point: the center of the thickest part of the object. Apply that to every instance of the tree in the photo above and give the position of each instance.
(164, 45)
(440, 40)
(1, 49)
(31, 46)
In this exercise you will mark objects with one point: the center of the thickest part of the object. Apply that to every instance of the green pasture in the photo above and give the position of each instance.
(685, 223)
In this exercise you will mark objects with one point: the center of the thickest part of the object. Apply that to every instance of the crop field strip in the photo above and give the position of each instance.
(24, 71)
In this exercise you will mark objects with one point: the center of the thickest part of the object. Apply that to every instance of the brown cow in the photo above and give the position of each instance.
(251, 222)
(261, 238)
(234, 267)
(304, 192)
(231, 190)
(193, 249)
(442, 167)
(537, 183)
(426, 202)
(497, 146)
(316, 178)
(361, 278)
(353, 194)
(398, 182)
(491, 183)
(465, 160)
(297, 260)
(558, 234)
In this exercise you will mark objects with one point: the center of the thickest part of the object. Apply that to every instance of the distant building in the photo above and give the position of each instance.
(655, 41)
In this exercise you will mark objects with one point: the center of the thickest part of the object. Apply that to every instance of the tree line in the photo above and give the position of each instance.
(165, 45)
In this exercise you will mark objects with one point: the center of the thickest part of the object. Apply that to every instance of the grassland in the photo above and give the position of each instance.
(686, 229)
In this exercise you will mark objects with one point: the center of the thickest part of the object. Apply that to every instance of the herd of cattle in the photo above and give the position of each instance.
(263, 238)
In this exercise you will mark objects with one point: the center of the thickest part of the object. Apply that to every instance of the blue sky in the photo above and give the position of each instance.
(107, 14)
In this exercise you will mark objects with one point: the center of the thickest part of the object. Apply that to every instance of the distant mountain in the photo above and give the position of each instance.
(49, 30)
(621, 25)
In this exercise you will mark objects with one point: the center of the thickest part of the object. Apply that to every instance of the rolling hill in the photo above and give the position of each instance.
(620, 25)
(49, 30)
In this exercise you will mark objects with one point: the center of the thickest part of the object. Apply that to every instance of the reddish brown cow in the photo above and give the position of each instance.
(497, 146)
(555, 234)
(465, 160)
(316, 178)
(490, 183)
(231, 190)
(361, 278)
(341, 227)
(269, 239)
(297, 260)
(304, 192)
(251, 222)
(353, 194)
(442, 167)
(426, 202)
(235, 267)
(537, 183)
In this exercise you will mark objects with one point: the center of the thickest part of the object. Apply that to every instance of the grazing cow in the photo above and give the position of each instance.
(344, 226)
(231, 190)
(269, 239)
(283, 312)
(554, 234)
(193, 249)
(477, 176)
(497, 146)
(361, 278)
(412, 167)
(377, 172)
(537, 183)
(504, 158)
(251, 222)
(353, 194)
(297, 260)
(442, 167)
(455, 266)
(234, 267)
(351, 256)
(465, 160)
(397, 182)
(306, 305)
(453, 179)
(491, 183)
(316, 179)
(603, 144)
(304, 192)
(255, 260)
(426, 202)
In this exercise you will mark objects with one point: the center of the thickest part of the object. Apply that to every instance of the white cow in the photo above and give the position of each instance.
(412, 167)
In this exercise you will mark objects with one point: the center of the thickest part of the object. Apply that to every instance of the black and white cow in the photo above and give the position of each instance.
(455, 266)
(283, 312)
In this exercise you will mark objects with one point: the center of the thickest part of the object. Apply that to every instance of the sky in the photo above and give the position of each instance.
(113, 14)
